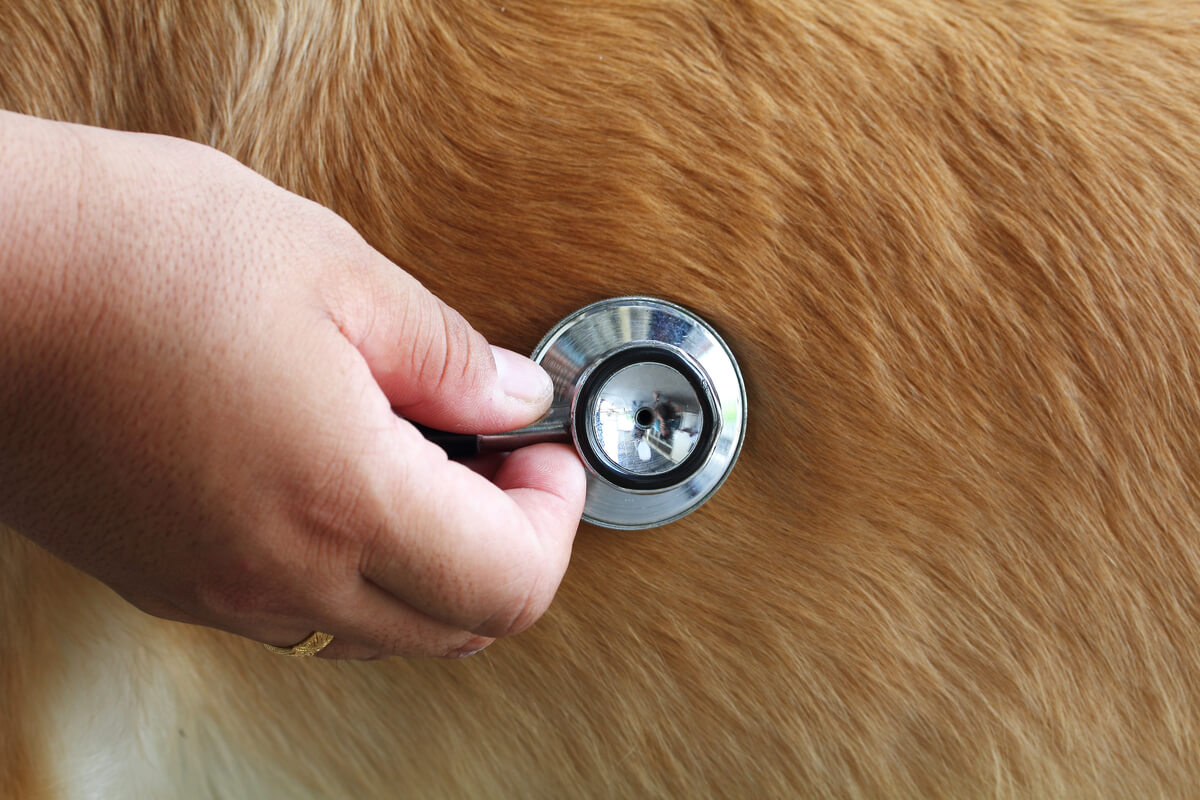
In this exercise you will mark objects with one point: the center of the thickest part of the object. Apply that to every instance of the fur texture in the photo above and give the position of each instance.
(956, 249)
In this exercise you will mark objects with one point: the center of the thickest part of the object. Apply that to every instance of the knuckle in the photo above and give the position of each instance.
(525, 604)
(233, 590)
(348, 501)
(398, 645)
(351, 506)
(335, 248)
(447, 359)
(339, 235)
(261, 576)
(399, 641)
(337, 497)
(467, 342)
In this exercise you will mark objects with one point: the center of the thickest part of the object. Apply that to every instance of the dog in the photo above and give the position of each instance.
(955, 247)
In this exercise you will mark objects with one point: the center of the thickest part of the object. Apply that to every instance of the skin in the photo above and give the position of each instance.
(204, 391)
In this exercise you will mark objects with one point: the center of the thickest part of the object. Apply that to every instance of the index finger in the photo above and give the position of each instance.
(485, 556)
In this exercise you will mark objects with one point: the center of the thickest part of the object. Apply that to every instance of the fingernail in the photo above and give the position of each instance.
(520, 378)
(470, 648)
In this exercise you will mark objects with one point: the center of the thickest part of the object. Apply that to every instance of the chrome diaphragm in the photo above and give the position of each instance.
(655, 404)
(651, 398)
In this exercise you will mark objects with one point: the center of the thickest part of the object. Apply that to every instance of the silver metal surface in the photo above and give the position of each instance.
(660, 426)
(554, 427)
(653, 401)
(646, 419)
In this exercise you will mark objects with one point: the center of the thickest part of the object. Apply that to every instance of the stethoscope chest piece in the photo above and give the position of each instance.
(656, 407)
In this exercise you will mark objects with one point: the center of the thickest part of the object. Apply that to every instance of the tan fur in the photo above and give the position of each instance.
(956, 249)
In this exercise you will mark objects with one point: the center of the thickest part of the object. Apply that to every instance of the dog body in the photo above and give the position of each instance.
(955, 247)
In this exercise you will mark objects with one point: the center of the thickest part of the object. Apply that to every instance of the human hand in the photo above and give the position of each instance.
(196, 407)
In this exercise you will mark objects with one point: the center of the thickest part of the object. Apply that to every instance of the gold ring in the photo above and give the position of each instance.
(314, 644)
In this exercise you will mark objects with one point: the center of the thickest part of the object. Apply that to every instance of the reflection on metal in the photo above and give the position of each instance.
(646, 419)
(655, 404)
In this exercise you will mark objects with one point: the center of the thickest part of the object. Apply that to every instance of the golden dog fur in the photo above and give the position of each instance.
(956, 248)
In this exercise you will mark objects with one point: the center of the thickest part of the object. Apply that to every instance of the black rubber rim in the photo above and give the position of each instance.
(610, 366)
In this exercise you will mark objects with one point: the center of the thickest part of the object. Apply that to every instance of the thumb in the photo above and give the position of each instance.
(433, 367)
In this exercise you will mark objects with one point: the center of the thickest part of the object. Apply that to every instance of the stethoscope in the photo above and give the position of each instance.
(651, 398)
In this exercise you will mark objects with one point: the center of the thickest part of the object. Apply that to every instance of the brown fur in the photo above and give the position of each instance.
(956, 249)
